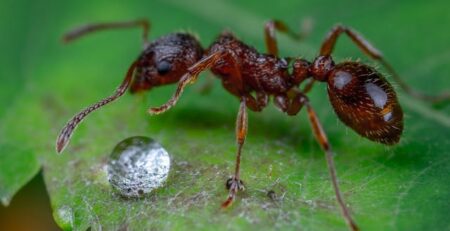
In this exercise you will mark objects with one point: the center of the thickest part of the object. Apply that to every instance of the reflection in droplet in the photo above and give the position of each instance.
(138, 165)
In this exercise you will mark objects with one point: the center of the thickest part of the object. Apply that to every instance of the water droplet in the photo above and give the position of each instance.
(137, 166)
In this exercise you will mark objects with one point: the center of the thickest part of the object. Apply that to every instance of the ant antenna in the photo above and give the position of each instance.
(65, 134)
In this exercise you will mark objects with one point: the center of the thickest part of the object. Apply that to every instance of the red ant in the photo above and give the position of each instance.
(361, 97)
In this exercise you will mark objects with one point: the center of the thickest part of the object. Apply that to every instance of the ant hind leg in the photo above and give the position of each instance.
(292, 107)
(322, 139)
(276, 25)
(368, 49)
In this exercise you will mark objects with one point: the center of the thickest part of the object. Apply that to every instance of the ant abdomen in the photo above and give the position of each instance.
(365, 101)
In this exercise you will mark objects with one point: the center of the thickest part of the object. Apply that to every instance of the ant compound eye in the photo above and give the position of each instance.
(163, 67)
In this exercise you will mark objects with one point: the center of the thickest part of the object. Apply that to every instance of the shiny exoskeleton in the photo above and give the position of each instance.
(361, 97)
(165, 60)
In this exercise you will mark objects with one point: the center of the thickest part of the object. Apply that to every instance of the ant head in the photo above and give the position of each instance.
(364, 100)
(165, 61)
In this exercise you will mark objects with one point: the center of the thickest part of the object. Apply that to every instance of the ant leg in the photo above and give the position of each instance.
(322, 139)
(257, 104)
(86, 29)
(292, 108)
(269, 33)
(291, 103)
(189, 78)
(67, 131)
(235, 184)
(371, 51)
(309, 86)
(282, 102)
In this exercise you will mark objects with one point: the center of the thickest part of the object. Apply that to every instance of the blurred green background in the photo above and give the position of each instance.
(43, 83)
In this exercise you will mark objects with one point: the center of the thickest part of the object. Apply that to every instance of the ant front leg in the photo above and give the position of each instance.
(292, 107)
(270, 38)
(86, 29)
(235, 184)
(189, 78)
(371, 51)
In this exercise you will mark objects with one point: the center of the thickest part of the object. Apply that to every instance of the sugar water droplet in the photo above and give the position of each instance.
(137, 166)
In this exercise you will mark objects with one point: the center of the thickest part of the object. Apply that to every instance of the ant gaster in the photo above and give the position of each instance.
(361, 97)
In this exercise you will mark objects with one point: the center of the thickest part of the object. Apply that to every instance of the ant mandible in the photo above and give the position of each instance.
(361, 97)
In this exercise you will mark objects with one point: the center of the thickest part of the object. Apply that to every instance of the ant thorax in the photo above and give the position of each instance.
(259, 72)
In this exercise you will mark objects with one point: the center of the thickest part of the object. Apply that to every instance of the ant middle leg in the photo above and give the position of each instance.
(89, 28)
(292, 107)
(309, 86)
(235, 184)
(273, 25)
(291, 103)
(368, 49)
(257, 104)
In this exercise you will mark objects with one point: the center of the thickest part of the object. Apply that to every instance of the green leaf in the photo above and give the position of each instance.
(387, 188)
(18, 165)
(17, 168)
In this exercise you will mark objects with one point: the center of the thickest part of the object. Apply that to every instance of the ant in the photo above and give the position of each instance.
(361, 97)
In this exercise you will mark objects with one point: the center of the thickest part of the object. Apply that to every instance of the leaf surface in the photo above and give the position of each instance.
(387, 188)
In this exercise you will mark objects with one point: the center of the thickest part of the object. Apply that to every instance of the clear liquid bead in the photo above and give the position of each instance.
(137, 166)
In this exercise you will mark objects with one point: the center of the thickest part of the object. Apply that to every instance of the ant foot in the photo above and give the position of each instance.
(233, 185)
